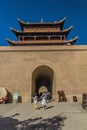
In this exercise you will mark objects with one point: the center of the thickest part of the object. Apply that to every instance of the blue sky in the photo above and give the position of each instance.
(75, 12)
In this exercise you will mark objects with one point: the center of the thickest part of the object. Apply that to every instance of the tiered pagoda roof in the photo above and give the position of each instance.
(43, 33)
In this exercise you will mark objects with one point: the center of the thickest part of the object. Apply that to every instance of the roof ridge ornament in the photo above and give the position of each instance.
(41, 20)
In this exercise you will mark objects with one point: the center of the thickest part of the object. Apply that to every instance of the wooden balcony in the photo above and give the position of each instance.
(41, 30)
(42, 42)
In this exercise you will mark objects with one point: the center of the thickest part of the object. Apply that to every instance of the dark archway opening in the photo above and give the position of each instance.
(42, 80)
(43, 83)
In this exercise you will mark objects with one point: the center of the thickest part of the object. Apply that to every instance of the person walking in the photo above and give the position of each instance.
(35, 101)
(48, 96)
(44, 100)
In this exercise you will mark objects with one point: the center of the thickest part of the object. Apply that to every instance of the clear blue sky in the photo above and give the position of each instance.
(75, 12)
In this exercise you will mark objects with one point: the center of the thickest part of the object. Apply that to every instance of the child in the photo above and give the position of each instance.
(35, 100)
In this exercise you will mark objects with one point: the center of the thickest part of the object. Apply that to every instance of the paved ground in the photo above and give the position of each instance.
(57, 116)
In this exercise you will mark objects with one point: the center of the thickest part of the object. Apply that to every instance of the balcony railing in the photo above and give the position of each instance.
(41, 41)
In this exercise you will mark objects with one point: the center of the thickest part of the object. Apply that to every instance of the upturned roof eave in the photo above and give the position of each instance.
(68, 42)
(67, 30)
(17, 32)
(22, 23)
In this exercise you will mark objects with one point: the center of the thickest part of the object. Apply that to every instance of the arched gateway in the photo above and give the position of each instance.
(42, 80)
(45, 39)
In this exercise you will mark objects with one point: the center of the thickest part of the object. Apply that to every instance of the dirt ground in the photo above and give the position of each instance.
(56, 116)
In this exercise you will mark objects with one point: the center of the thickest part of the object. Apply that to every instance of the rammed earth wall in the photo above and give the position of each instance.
(66, 64)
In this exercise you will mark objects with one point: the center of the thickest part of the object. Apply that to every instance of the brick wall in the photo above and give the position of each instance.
(68, 63)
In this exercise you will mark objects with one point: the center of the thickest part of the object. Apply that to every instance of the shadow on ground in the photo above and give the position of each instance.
(9, 123)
